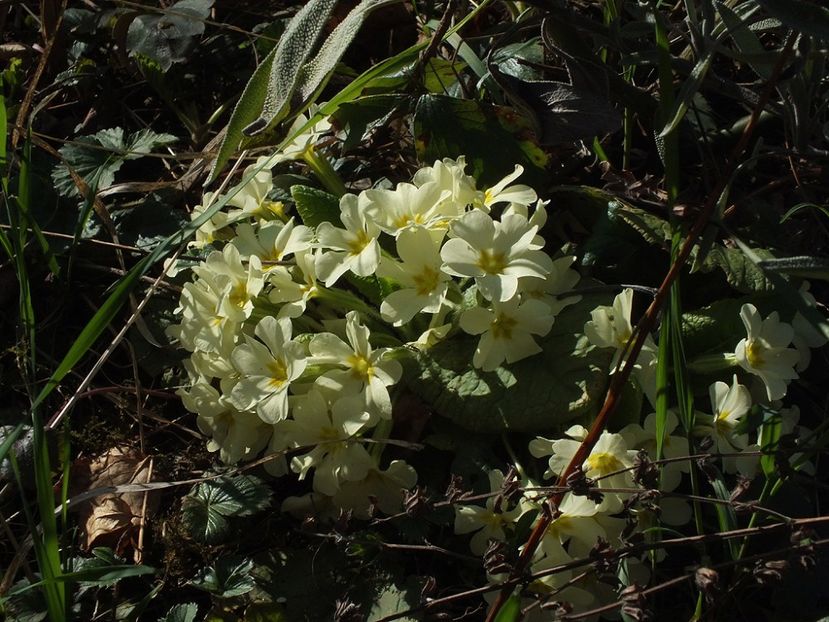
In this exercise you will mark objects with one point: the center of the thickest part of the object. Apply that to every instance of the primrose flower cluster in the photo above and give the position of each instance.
(287, 357)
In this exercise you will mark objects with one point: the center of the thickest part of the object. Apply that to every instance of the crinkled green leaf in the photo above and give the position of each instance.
(169, 37)
(228, 577)
(98, 157)
(316, 206)
(206, 508)
(740, 271)
(542, 392)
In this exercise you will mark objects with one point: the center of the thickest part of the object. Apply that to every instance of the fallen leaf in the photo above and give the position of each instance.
(110, 519)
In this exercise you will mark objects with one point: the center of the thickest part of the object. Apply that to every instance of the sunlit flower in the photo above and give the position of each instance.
(354, 248)
(562, 278)
(423, 285)
(225, 272)
(488, 522)
(358, 368)
(496, 254)
(267, 369)
(273, 242)
(294, 287)
(506, 331)
(503, 192)
(407, 206)
(765, 352)
(250, 196)
(449, 176)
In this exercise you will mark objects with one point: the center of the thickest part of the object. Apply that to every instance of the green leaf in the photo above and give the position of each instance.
(446, 127)
(726, 517)
(169, 37)
(770, 441)
(228, 577)
(290, 55)
(807, 17)
(359, 118)
(206, 508)
(686, 93)
(316, 206)
(740, 271)
(98, 157)
(395, 599)
(804, 266)
(184, 612)
(315, 74)
(567, 380)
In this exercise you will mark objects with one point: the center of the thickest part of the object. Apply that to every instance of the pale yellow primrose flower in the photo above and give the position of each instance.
(496, 254)
(273, 242)
(609, 455)
(267, 369)
(765, 352)
(294, 287)
(449, 176)
(251, 198)
(610, 327)
(337, 456)
(300, 145)
(407, 206)
(423, 284)
(729, 405)
(381, 489)
(489, 521)
(236, 436)
(363, 369)
(239, 284)
(354, 248)
(502, 192)
(561, 279)
(644, 437)
(506, 331)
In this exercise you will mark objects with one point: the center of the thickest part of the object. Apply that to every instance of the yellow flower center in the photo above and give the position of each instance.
(239, 294)
(501, 327)
(603, 463)
(361, 367)
(278, 374)
(426, 281)
(754, 354)
(360, 241)
(491, 262)
(407, 219)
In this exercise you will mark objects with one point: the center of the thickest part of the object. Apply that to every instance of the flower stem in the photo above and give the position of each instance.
(324, 171)
(711, 363)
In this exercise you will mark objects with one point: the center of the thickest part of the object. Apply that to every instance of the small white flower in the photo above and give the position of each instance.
(506, 331)
(359, 368)
(729, 404)
(380, 489)
(496, 254)
(331, 430)
(251, 196)
(609, 462)
(407, 206)
(502, 192)
(562, 278)
(765, 352)
(644, 437)
(267, 370)
(449, 176)
(294, 287)
(354, 248)
(423, 284)
(488, 522)
(224, 272)
(273, 242)
(300, 145)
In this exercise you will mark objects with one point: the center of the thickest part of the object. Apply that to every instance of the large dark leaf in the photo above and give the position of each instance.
(540, 393)
(492, 139)
(170, 36)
